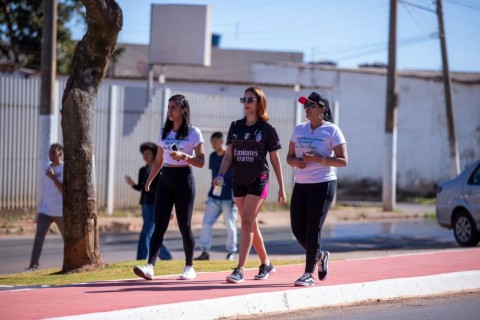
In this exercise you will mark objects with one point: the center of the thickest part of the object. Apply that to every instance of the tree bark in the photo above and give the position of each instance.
(89, 65)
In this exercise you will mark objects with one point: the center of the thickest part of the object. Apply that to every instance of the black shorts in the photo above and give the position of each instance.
(259, 188)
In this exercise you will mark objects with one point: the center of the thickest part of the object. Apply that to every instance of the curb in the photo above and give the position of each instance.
(303, 298)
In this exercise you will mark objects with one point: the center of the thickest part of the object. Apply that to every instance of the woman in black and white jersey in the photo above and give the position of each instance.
(180, 146)
(248, 142)
(316, 147)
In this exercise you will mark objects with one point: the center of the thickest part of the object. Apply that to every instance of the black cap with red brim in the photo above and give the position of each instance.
(315, 97)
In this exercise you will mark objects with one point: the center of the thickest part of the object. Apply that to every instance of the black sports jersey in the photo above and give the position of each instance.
(250, 145)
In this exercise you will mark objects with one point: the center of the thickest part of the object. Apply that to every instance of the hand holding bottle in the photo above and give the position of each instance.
(218, 184)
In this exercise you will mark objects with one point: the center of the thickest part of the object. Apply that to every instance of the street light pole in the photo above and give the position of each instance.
(47, 124)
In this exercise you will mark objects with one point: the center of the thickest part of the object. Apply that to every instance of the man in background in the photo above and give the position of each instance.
(50, 208)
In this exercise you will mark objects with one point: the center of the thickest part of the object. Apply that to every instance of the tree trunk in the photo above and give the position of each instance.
(104, 21)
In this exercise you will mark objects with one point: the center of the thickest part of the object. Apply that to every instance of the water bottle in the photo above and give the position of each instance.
(217, 190)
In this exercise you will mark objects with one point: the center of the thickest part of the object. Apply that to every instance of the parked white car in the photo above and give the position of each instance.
(458, 205)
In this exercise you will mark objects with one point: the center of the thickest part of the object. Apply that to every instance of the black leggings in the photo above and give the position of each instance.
(308, 209)
(176, 186)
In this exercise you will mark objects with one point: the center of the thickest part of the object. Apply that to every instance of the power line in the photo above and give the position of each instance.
(416, 6)
(463, 4)
(401, 43)
(416, 19)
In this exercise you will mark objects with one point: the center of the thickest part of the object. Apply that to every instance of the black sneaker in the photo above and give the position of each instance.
(236, 276)
(264, 272)
(323, 265)
(305, 281)
(204, 256)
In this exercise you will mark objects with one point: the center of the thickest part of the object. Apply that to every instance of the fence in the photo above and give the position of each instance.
(123, 119)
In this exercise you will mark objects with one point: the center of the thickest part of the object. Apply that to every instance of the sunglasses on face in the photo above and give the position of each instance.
(310, 105)
(247, 100)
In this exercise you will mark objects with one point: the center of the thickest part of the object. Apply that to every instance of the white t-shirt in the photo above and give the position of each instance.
(51, 202)
(186, 145)
(321, 141)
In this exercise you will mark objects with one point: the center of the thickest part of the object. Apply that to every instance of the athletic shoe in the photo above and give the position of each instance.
(231, 256)
(323, 265)
(236, 276)
(305, 281)
(145, 272)
(204, 256)
(264, 271)
(188, 273)
(31, 268)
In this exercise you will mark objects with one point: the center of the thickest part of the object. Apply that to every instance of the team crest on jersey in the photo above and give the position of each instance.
(258, 137)
(246, 136)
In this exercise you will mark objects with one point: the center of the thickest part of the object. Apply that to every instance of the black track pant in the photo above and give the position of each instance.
(308, 210)
(176, 186)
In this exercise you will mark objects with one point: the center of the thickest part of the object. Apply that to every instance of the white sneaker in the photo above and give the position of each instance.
(31, 268)
(145, 272)
(188, 273)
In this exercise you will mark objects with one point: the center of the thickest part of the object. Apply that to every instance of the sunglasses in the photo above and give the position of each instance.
(247, 100)
(310, 105)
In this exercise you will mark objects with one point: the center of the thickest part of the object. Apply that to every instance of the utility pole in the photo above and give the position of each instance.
(447, 85)
(49, 56)
(47, 126)
(389, 188)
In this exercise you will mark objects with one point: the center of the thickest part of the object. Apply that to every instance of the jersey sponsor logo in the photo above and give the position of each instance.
(245, 155)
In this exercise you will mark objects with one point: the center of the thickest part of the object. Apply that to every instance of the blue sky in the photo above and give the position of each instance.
(348, 32)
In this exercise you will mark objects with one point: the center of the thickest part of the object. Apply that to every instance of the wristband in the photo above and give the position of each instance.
(220, 175)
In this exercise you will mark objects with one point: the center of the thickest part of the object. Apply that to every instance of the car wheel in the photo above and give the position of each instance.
(465, 229)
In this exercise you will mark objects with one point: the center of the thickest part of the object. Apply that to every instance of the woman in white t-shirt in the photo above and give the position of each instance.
(180, 146)
(316, 147)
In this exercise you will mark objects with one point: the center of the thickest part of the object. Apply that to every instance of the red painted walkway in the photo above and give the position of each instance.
(117, 295)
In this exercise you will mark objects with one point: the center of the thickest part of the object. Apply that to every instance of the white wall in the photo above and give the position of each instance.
(423, 148)
(422, 135)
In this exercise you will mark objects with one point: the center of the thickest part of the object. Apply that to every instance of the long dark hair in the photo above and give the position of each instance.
(182, 133)
(327, 115)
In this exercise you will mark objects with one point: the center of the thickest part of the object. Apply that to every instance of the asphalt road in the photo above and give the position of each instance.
(344, 240)
(463, 306)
